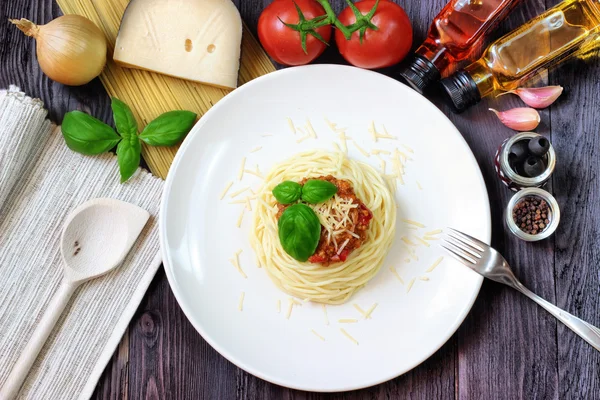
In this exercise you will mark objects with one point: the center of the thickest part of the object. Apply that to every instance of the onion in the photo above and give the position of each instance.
(70, 49)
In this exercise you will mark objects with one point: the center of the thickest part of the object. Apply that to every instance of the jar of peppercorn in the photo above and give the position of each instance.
(532, 214)
(525, 160)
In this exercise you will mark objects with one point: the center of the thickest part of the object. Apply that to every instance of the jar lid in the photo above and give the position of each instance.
(553, 215)
(524, 181)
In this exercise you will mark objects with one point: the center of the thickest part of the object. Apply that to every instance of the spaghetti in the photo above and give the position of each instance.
(336, 283)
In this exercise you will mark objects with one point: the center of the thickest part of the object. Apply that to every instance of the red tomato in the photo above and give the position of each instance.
(383, 47)
(283, 43)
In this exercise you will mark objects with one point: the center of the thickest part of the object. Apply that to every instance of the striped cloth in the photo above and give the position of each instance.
(41, 181)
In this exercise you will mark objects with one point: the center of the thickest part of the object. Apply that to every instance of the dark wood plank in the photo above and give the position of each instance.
(577, 187)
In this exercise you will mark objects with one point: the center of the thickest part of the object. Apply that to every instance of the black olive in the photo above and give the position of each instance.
(518, 153)
(534, 166)
(539, 146)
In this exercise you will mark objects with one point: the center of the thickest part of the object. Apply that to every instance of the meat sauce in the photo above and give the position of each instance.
(360, 217)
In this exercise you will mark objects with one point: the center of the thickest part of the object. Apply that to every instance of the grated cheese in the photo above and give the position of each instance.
(235, 194)
(257, 148)
(241, 301)
(303, 138)
(342, 246)
(430, 238)
(334, 216)
(241, 217)
(224, 192)
(360, 310)
(255, 173)
(325, 313)
(363, 151)
(414, 228)
(290, 306)
(267, 135)
(407, 241)
(344, 140)
(396, 274)
(435, 264)
(386, 134)
(419, 185)
(241, 171)
(236, 264)
(347, 321)
(248, 205)
(348, 336)
(415, 223)
(376, 152)
(434, 232)
(408, 149)
(310, 129)
(423, 278)
(410, 285)
(370, 310)
(317, 335)
(424, 243)
(291, 125)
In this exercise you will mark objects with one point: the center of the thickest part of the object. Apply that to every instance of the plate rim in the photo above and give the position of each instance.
(166, 257)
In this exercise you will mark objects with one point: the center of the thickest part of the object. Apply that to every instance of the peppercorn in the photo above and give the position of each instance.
(532, 215)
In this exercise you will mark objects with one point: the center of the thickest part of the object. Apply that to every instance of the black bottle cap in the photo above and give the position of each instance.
(419, 73)
(461, 90)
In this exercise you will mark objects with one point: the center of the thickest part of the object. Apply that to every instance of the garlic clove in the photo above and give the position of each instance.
(519, 119)
(540, 97)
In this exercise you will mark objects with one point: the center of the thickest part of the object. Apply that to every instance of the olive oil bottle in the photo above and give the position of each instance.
(550, 38)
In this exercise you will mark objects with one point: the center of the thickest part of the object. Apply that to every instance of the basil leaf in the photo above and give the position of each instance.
(124, 119)
(299, 231)
(317, 191)
(128, 156)
(87, 135)
(287, 192)
(168, 128)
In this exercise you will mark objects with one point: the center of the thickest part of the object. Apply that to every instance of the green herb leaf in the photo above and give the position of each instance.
(124, 120)
(299, 231)
(317, 191)
(128, 156)
(169, 128)
(287, 192)
(87, 135)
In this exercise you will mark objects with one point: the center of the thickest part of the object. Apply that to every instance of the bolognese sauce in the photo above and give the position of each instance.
(344, 219)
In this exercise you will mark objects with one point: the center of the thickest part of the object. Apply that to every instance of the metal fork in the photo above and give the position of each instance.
(488, 263)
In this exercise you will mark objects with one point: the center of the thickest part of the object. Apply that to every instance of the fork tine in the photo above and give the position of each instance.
(478, 244)
(459, 254)
(463, 246)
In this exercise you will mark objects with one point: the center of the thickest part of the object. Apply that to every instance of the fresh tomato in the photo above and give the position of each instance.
(282, 29)
(385, 46)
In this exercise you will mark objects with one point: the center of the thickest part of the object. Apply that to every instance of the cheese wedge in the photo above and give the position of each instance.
(197, 40)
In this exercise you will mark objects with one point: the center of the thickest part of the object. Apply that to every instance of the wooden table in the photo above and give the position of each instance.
(507, 348)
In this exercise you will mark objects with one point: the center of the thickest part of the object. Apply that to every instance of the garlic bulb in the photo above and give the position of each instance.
(70, 49)
(519, 119)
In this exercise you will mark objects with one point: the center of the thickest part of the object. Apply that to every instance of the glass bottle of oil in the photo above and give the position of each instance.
(548, 39)
(456, 34)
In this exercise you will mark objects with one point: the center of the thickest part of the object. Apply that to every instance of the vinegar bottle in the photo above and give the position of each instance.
(560, 33)
(455, 35)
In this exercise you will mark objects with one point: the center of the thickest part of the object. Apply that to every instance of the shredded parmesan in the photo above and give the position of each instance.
(267, 135)
(310, 129)
(363, 151)
(424, 243)
(381, 164)
(386, 134)
(342, 246)
(419, 185)
(241, 171)
(241, 302)
(435, 232)
(407, 241)
(257, 148)
(430, 238)
(255, 172)
(376, 152)
(370, 310)
(236, 263)
(408, 148)
(336, 146)
(237, 253)
(396, 274)
(291, 125)
(237, 193)
(347, 320)
(423, 278)
(360, 310)
(348, 336)
(325, 314)
(317, 335)
(291, 303)
(334, 216)
(241, 217)
(415, 223)
(248, 205)
(414, 228)
(224, 192)
(296, 302)
(303, 138)
(344, 140)
(435, 264)
(410, 285)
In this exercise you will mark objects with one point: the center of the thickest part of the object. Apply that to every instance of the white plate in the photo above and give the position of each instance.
(199, 233)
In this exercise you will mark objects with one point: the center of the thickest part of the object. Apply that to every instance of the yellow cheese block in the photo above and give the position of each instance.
(198, 40)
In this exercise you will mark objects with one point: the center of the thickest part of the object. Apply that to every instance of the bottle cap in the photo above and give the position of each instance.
(419, 73)
(461, 90)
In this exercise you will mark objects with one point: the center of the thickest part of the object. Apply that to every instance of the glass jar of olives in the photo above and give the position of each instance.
(525, 160)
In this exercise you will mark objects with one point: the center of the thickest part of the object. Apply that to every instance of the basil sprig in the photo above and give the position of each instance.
(317, 191)
(287, 192)
(87, 135)
(299, 231)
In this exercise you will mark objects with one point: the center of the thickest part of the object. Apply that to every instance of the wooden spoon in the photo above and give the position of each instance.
(96, 237)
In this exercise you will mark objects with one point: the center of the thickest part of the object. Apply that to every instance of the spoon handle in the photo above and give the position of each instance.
(36, 342)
